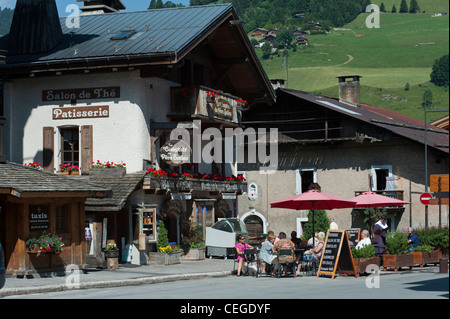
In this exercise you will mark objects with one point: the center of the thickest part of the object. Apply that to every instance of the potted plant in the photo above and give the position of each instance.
(68, 169)
(111, 251)
(45, 243)
(396, 248)
(194, 245)
(107, 169)
(167, 253)
(34, 165)
(364, 257)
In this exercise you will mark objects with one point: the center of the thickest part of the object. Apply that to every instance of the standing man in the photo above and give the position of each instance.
(333, 224)
(380, 231)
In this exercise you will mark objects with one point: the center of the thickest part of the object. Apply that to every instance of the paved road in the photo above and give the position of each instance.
(409, 285)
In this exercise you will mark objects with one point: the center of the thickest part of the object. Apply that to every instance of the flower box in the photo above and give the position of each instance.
(398, 261)
(195, 253)
(112, 253)
(362, 263)
(164, 259)
(68, 173)
(116, 172)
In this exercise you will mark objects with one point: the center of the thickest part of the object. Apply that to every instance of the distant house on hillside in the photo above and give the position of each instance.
(302, 41)
(259, 32)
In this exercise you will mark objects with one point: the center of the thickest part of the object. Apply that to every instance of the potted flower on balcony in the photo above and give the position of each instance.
(211, 96)
(396, 248)
(194, 245)
(242, 104)
(34, 165)
(107, 169)
(364, 257)
(45, 244)
(68, 169)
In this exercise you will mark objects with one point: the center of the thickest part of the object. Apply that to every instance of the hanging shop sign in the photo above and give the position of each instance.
(81, 94)
(175, 152)
(64, 113)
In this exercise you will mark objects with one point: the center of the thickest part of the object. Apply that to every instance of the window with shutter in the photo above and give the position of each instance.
(48, 150)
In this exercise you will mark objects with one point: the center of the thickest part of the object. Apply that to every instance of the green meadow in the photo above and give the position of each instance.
(401, 51)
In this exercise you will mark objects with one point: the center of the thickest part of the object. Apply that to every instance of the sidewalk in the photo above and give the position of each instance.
(126, 275)
(129, 275)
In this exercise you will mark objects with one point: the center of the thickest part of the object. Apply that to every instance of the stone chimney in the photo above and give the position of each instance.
(35, 27)
(349, 89)
(101, 6)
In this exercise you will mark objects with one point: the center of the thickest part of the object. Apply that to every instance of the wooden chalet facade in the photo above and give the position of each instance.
(113, 90)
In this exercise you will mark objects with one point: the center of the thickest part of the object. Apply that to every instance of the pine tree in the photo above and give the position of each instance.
(152, 5)
(159, 4)
(440, 73)
(403, 7)
(414, 6)
(321, 223)
(394, 9)
(382, 7)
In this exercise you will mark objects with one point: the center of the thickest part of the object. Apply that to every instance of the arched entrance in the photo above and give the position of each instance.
(171, 215)
(255, 222)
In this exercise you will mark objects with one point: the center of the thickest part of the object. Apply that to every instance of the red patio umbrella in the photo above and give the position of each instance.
(313, 200)
(371, 199)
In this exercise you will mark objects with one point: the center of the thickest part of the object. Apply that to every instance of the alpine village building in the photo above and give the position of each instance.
(112, 89)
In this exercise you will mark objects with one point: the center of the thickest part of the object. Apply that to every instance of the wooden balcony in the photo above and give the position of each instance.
(170, 184)
(202, 102)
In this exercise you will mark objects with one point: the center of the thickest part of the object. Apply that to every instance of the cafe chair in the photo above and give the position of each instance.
(252, 259)
(310, 267)
(283, 265)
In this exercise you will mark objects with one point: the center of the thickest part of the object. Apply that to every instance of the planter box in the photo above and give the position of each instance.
(430, 258)
(362, 263)
(112, 253)
(398, 261)
(195, 253)
(116, 172)
(67, 173)
(164, 259)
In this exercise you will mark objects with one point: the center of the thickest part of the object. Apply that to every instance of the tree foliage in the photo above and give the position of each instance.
(439, 74)
(321, 223)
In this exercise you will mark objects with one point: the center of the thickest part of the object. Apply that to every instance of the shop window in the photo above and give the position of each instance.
(70, 146)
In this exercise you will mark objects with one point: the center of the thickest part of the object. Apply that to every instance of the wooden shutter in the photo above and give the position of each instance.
(48, 150)
(86, 148)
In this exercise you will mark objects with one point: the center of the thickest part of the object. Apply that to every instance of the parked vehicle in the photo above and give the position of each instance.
(2, 267)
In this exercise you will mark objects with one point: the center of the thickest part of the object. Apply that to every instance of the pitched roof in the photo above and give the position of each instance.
(16, 179)
(157, 32)
(122, 188)
(394, 122)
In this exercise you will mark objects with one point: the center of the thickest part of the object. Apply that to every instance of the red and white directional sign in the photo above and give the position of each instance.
(425, 198)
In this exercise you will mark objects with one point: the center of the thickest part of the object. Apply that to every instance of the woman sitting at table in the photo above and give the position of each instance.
(266, 255)
(240, 247)
(284, 243)
(314, 253)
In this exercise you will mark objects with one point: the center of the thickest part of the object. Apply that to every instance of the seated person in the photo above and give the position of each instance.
(284, 243)
(365, 240)
(297, 241)
(314, 253)
(266, 254)
(240, 247)
(412, 239)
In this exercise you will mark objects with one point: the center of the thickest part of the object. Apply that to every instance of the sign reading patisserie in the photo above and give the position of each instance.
(81, 94)
(64, 113)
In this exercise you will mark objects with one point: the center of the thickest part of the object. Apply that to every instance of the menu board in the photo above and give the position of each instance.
(337, 255)
(353, 235)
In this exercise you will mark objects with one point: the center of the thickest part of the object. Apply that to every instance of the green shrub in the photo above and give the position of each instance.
(424, 248)
(321, 223)
(396, 243)
(433, 236)
(366, 252)
(163, 239)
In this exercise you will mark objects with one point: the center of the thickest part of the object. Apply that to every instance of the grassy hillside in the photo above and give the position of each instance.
(401, 51)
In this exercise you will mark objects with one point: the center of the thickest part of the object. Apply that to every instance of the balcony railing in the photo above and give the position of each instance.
(170, 184)
(397, 194)
(200, 101)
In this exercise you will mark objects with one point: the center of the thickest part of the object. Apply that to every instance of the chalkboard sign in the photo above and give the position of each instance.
(337, 255)
(353, 234)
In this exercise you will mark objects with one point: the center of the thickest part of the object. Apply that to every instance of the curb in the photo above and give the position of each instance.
(108, 284)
